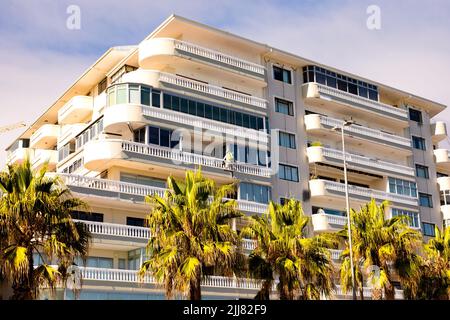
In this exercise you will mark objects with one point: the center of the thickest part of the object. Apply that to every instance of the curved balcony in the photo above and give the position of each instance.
(118, 116)
(323, 222)
(442, 159)
(43, 156)
(324, 189)
(76, 110)
(322, 126)
(357, 162)
(444, 183)
(45, 137)
(445, 210)
(158, 52)
(153, 78)
(438, 131)
(19, 155)
(347, 103)
(125, 190)
(69, 132)
(98, 154)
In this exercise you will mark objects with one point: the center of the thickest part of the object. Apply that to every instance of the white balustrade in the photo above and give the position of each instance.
(366, 161)
(212, 90)
(219, 56)
(370, 193)
(365, 131)
(192, 158)
(138, 189)
(119, 275)
(110, 185)
(207, 124)
(118, 230)
(352, 98)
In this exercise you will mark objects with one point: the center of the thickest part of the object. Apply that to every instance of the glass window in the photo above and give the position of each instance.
(156, 98)
(428, 229)
(415, 115)
(164, 137)
(281, 74)
(284, 106)
(122, 94)
(137, 222)
(145, 96)
(201, 109)
(139, 135)
(167, 101)
(404, 187)
(254, 192)
(134, 94)
(425, 200)
(287, 172)
(87, 216)
(413, 216)
(286, 140)
(419, 143)
(175, 103)
(208, 111)
(422, 171)
(184, 106)
(153, 135)
(192, 107)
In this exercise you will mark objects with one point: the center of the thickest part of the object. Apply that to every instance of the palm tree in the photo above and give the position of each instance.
(382, 248)
(433, 280)
(303, 265)
(35, 219)
(191, 234)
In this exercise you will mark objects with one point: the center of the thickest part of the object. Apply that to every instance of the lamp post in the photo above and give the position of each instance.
(347, 123)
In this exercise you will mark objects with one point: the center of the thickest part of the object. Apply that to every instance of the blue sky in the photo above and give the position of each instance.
(40, 57)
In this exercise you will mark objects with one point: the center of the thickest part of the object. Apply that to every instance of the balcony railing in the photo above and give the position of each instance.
(367, 292)
(110, 185)
(207, 124)
(192, 158)
(367, 193)
(364, 131)
(219, 56)
(116, 230)
(366, 161)
(354, 99)
(131, 276)
(137, 189)
(212, 90)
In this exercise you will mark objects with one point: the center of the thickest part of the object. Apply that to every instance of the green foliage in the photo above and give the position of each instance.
(191, 233)
(35, 218)
(302, 265)
(388, 245)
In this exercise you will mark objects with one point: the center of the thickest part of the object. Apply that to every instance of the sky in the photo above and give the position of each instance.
(40, 57)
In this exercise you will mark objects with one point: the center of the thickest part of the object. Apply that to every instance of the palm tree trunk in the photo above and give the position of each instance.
(195, 290)
(24, 289)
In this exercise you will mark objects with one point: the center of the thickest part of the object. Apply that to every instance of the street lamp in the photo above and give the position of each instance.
(347, 123)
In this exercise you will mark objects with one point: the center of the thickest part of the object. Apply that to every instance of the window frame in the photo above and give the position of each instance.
(285, 165)
(422, 195)
(426, 170)
(275, 98)
(289, 134)
(423, 143)
(291, 72)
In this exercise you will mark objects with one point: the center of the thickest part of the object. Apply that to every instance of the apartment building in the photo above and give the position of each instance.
(189, 93)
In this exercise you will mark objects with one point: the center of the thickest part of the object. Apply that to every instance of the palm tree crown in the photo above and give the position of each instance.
(35, 218)
(303, 265)
(191, 234)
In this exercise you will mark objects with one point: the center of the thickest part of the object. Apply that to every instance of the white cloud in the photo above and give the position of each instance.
(39, 57)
